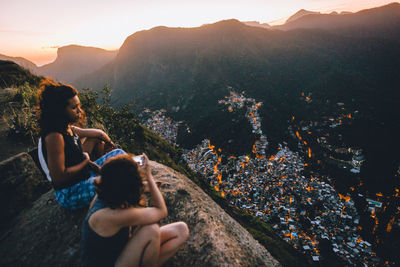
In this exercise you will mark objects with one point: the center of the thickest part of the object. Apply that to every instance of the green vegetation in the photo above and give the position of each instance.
(124, 128)
(12, 75)
(24, 123)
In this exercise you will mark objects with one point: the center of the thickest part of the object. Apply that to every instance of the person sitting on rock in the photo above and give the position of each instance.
(118, 230)
(63, 148)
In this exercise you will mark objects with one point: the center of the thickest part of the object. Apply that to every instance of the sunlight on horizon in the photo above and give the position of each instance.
(34, 30)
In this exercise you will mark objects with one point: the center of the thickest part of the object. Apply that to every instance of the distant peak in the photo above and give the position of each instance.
(164, 28)
(75, 47)
(301, 13)
(257, 24)
(78, 50)
(394, 4)
(228, 21)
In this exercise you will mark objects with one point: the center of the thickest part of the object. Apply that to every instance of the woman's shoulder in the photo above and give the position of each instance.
(52, 133)
(101, 219)
(53, 138)
(101, 211)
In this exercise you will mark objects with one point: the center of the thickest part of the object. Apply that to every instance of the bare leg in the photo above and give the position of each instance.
(92, 202)
(93, 146)
(173, 236)
(142, 249)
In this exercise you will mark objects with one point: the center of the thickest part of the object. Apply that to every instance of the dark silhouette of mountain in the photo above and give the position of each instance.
(299, 14)
(375, 22)
(73, 61)
(26, 64)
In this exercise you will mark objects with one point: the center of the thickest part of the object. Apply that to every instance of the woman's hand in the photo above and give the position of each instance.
(108, 146)
(146, 167)
(86, 155)
(104, 137)
(146, 187)
(96, 168)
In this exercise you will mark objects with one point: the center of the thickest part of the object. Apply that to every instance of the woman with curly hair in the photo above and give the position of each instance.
(117, 230)
(64, 148)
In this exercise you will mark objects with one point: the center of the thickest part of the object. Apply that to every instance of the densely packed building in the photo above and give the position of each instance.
(303, 210)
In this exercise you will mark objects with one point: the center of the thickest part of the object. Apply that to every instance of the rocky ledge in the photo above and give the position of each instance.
(38, 232)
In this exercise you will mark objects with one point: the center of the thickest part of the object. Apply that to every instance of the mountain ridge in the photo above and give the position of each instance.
(23, 62)
(299, 14)
(377, 19)
(73, 61)
(66, 61)
(146, 57)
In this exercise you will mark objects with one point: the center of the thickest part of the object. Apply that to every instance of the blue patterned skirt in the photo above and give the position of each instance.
(81, 194)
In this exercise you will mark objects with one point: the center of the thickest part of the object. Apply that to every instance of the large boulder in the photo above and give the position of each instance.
(45, 234)
(21, 183)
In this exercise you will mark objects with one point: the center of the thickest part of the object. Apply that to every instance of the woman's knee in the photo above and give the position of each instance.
(89, 140)
(152, 230)
(117, 151)
(182, 229)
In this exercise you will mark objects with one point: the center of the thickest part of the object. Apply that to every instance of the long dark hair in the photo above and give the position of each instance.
(51, 109)
(121, 182)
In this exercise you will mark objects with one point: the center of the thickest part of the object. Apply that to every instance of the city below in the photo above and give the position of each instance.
(305, 210)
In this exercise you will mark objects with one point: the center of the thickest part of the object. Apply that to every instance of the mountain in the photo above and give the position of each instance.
(73, 61)
(257, 24)
(299, 14)
(26, 64)
(189, 70)
(382, 22)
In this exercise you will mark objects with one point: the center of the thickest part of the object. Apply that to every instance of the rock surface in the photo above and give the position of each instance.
(21, 183)
(44, 234)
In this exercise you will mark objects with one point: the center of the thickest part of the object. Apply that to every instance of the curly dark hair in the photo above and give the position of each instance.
(121, 183)
(51, 109)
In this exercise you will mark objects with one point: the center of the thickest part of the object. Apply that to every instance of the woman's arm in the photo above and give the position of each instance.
(62, 177)
(91, 132)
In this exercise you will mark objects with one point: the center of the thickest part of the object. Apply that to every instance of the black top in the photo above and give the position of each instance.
(73, 152)
(97, 250)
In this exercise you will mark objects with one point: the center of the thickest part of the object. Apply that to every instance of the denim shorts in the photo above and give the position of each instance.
(81, 194)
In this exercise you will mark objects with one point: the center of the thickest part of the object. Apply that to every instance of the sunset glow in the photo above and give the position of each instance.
(35, 29)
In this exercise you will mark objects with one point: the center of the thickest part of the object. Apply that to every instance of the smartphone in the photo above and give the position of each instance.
(139, 160)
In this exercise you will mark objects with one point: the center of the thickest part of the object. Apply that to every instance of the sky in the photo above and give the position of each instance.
(35, 29)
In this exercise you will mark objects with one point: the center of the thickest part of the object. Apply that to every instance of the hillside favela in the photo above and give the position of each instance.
(266, 134)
